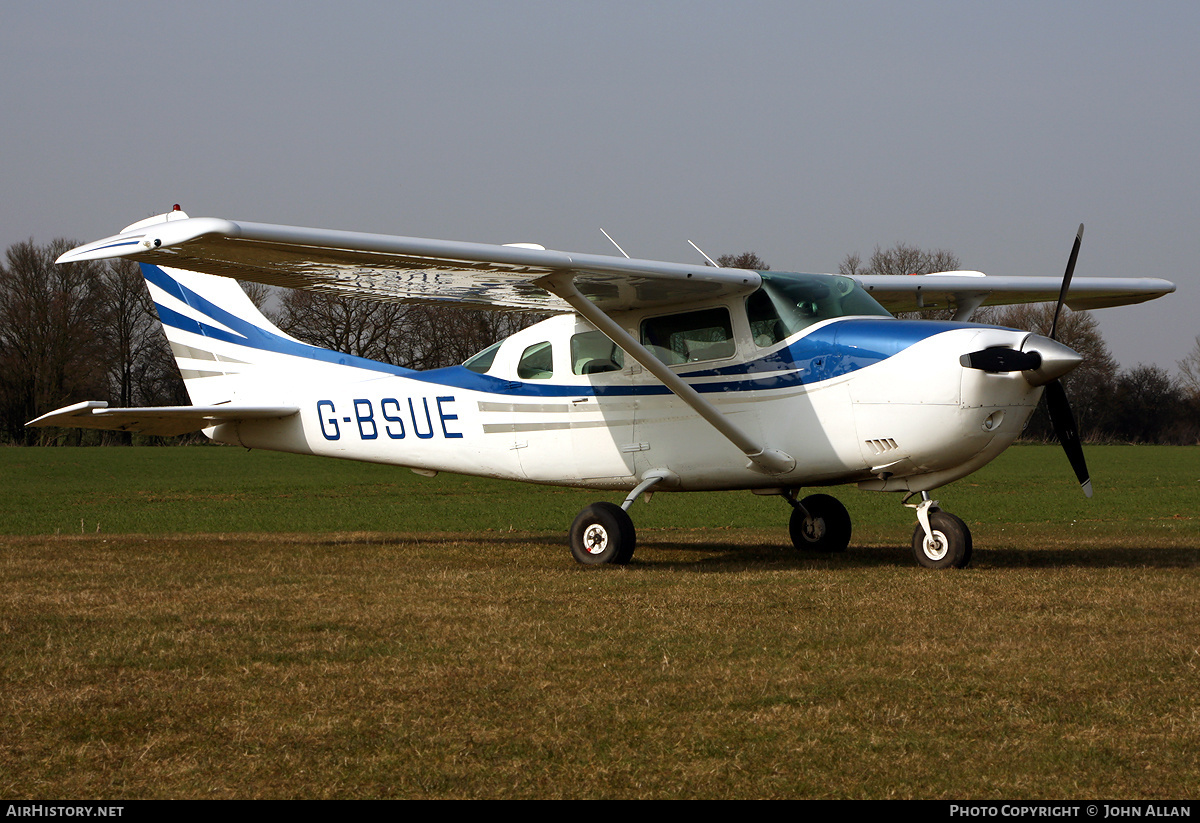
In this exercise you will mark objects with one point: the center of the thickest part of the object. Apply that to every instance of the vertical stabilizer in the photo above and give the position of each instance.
(216, 333)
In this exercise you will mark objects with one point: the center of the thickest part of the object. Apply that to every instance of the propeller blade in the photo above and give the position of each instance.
(1001, 359)
(1064, 428)
(1055, 395)
(1066, 283)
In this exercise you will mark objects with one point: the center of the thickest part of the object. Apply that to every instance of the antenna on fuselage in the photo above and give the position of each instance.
(615, 243)
(711, 262)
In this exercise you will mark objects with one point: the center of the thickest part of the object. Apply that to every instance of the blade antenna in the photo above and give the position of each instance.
(711, 262)
(615, 243)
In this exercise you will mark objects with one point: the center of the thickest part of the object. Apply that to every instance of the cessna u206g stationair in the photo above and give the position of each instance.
(649, 377)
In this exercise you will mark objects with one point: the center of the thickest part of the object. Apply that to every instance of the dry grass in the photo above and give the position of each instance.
(489, 665)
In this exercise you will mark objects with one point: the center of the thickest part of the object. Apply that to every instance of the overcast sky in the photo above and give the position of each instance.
(801, 131)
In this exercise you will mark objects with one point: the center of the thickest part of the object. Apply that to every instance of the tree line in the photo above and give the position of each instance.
(88, 331)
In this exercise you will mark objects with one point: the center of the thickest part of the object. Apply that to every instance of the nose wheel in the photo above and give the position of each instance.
(940, 540)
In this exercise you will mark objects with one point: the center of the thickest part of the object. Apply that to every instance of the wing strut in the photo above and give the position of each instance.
(967, 304)
(768, 461)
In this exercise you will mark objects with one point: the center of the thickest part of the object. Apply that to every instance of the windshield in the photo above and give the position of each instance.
(788, 303)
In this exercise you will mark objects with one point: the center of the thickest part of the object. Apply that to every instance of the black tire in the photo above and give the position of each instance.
(825, 529)
(951, 546)
(603, 534)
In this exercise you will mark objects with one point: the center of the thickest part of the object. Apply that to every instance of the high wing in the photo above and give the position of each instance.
(966, 291)
(160, 420)
(409, 269)
(480, 275)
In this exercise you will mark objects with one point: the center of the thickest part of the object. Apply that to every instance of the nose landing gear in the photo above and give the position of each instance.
(940, 540)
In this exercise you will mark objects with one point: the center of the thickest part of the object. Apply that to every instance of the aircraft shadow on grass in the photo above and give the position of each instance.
(714, 555)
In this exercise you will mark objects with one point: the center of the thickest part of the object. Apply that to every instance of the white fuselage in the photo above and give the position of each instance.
(877, 401)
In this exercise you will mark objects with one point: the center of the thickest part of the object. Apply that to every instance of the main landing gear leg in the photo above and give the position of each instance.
(819, 523)
(940, 540)
(603, 533)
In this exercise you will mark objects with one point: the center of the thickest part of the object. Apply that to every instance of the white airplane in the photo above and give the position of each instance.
(650, 376)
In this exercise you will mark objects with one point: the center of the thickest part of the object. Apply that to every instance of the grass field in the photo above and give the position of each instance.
(206, 622)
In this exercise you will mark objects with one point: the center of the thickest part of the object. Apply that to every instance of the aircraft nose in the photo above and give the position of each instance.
(1057, 359)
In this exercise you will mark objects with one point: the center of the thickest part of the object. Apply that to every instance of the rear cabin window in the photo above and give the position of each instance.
(593, 353)
(690, 337)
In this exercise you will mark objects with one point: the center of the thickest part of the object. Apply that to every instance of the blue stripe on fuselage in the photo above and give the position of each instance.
(830, 351)
(840, 347)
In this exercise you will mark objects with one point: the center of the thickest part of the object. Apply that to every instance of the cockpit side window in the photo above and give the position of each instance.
(765, 325)
(690, 337)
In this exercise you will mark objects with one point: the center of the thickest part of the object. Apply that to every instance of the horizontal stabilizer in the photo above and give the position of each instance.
(159, 420)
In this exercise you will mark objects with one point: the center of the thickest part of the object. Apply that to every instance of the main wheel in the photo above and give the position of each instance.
(826, 527)
(602, 533)
(950, 545)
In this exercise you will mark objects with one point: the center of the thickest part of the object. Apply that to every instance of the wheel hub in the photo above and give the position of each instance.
(595, 539)
(814, 528)
(936, 546)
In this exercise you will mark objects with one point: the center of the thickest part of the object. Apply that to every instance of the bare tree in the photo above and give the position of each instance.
(157, 381)
(141, 368)
(415, 336)
(904, 258)
(1148, 406)
(362, 328)
(1189, 370)
(439, 336)
(851, 265)
(51, 345)
(128, 325)
(260, 294)
(745, 260)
